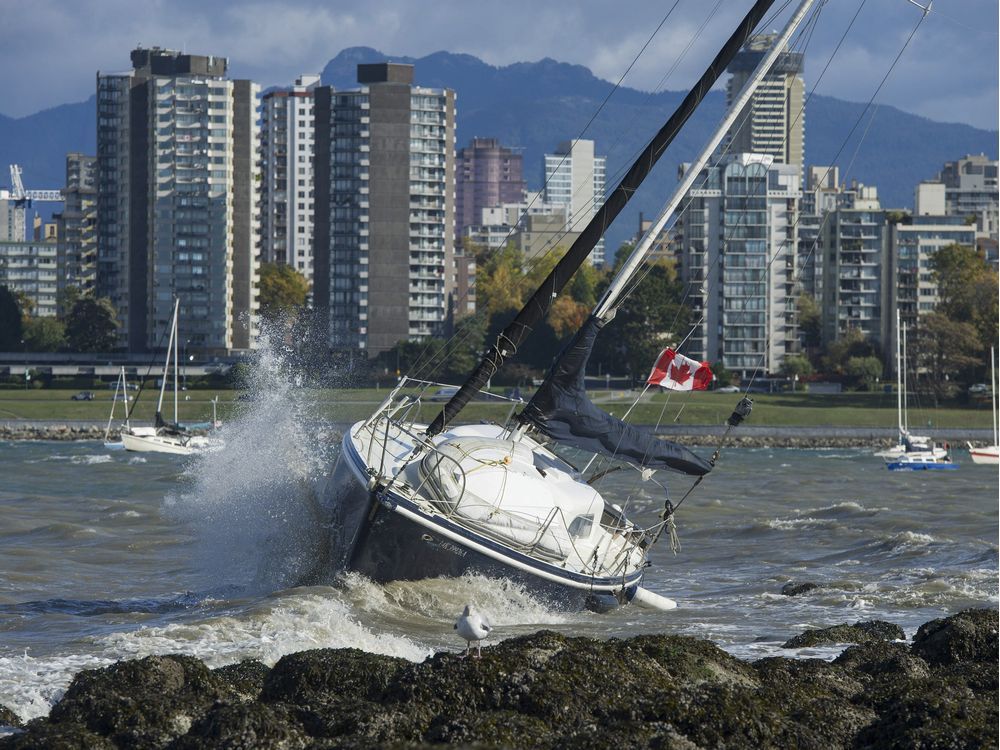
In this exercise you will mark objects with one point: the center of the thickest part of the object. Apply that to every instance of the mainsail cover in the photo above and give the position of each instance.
(561, 410)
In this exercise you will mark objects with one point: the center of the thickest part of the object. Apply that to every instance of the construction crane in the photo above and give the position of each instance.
(21, 199)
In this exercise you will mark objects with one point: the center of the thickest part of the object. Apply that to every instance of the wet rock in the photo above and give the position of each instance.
(335, 692)
(143, 703)
(67, 736)
(793, 588)
(968, 636)
(245, 727)
(329, 676)
(547, 691)
(933, 713)
(245, 677)
(8, 718)
(859, 632)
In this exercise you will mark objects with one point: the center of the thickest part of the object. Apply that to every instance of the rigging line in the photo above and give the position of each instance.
(540, 254)
(142, 382)
(800, 36)
(589, 123)
(804, 37)
(764, 24)
(707, 282)
(803, 34)
(857, 122)
(649, 96)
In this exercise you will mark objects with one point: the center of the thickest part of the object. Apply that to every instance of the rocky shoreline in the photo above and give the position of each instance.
(548, 690)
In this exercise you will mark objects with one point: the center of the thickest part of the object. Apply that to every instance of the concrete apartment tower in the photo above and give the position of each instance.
(575, 177)
(773, 122)
(912, 243)
(77, 225)
(971, 191)
(851, 259)
(287, 150)
(177, 215)
(385, 209)
(737, 249)
(488, 175)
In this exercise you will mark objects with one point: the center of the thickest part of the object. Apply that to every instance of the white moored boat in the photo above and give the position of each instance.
(989, 454)
(170, 437)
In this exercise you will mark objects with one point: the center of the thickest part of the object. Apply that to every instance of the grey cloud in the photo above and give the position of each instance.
(51, 49)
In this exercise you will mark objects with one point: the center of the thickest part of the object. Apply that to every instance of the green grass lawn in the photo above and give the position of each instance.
(347, 405)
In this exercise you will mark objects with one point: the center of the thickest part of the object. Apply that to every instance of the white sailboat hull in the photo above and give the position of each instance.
(176, 445)
(988, 455)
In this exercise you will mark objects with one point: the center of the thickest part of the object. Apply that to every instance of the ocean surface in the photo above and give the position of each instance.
(107, 555)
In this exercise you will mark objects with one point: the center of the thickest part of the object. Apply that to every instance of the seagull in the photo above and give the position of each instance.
(472, 626)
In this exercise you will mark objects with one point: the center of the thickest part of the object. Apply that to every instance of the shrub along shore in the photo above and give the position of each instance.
(549, 690)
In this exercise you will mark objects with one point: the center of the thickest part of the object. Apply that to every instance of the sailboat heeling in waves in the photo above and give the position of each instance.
(409, 501)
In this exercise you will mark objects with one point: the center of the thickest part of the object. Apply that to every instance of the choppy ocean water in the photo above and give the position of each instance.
(106, 555)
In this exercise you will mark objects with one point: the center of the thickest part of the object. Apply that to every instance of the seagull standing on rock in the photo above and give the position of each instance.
(472, 626)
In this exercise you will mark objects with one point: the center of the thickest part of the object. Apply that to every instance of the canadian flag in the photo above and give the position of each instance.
(679, 373)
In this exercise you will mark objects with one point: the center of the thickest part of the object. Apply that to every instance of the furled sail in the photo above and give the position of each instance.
(561, 410)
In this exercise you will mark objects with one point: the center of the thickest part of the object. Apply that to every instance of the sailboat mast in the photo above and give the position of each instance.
(899, 376)
(993, 395)
(166, 363)
(646, 244)
(174, 336)
(906, 417)
(535, 309)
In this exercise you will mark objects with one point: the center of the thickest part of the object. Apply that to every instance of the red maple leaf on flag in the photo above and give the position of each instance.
(680, 374)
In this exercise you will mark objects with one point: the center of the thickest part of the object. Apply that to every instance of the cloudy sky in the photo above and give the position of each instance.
(51, 49)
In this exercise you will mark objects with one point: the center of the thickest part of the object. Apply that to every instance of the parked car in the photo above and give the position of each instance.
(83, 396)
(443, 394)
(728, 389)
(122, 397)
(978, 388)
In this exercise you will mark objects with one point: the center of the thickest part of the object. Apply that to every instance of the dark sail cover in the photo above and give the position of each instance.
(560, 409)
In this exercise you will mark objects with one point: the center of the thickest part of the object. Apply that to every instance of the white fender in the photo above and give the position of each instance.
(650, 600)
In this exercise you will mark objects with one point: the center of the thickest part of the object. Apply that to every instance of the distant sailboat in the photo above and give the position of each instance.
(990, 454)
(121, 386)
(169, 437)
(913, 452)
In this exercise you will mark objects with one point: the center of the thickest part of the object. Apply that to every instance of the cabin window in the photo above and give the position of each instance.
(580, 526)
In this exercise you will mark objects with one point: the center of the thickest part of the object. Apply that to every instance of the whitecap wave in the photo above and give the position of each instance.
(290, 623)
(88, 460)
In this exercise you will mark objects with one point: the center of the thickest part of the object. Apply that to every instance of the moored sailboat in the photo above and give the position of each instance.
(989, 454)
(163, 436)
(411, 500)
(913, 452)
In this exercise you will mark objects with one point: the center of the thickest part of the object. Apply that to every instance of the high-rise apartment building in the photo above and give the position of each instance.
(488, 175)
(32, 270)
(575, 177)
(912, 244)
(971, 191)
(737, 248)
(773, 121)
(177, 188)
(385, 211)
(77, 224)
(287, 194)
(854, 277)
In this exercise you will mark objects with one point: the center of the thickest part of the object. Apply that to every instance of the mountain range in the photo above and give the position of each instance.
(535, 106)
